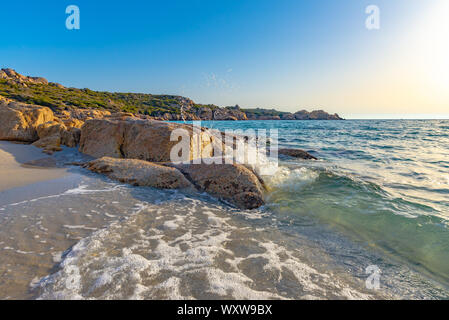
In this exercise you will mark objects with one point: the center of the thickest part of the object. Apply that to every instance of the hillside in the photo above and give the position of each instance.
(37, 90)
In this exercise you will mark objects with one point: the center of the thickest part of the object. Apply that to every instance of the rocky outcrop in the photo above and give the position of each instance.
(19, 121)
(229, 113)
(316, 115)
(137, 139)
(297, 153)
(233, 183)
(140, 173)
(13, 76)
(201, 112)
(272, 114)
(37, 125)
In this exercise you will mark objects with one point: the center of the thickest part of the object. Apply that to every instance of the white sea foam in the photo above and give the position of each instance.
(161, 250)
(295, 179)
(82, 189)
(171, 224)
(79, 227)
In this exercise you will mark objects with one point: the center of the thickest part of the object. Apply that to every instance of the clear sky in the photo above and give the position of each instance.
(288, 55)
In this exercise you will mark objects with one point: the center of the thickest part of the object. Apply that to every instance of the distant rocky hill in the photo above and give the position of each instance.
(38, 91)
(265, 114)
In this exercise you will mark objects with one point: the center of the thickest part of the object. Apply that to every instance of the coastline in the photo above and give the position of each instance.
(85, 218)
(13, 172)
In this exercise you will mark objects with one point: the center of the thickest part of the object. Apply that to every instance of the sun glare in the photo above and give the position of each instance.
(430, 47)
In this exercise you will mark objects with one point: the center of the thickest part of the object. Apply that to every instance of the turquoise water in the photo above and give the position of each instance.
(383, 183)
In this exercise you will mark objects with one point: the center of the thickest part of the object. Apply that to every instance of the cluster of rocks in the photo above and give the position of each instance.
(193, 112)
(41, 126)
(130, 149)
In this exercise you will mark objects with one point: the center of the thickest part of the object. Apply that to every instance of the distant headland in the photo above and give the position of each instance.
(39, 91)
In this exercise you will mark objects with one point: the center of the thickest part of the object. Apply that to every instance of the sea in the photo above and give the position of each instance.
(368, 220)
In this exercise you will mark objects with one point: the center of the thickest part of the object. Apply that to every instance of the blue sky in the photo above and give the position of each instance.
(288, 55)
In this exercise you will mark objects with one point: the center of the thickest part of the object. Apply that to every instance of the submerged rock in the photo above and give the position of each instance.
(297, 153)
(233, 183)
(140, 173)
(19, 121)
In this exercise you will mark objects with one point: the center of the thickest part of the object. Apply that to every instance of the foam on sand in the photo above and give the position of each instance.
(187, 249)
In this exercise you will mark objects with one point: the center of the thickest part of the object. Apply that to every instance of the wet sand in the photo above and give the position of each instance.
(13, 172)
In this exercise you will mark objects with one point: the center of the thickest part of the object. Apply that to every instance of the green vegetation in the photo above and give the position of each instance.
(59, 98)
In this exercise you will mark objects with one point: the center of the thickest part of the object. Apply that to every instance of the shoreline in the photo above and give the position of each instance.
(15, 173)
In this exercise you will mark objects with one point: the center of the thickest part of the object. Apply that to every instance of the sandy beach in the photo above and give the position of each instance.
(14, 174)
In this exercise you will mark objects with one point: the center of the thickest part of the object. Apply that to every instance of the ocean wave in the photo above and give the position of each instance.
(363, 210)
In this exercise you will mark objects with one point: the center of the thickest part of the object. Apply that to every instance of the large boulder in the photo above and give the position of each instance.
(137, 139)
(19, 121)
(233, 183)
(140, 173)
